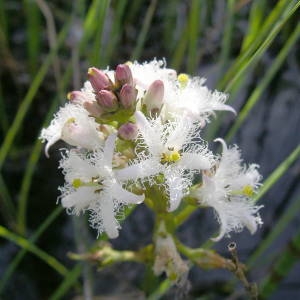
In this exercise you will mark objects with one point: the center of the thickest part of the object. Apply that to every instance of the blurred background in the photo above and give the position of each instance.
(249, 49)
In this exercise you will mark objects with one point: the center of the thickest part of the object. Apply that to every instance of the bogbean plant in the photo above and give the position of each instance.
(135, 136)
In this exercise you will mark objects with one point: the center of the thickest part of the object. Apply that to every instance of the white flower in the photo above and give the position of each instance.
(145, 74)
(91, 185)
(167, 259)
(183, 96)
(228, 189)
(194, 100)
(173, 149)
(73, 125)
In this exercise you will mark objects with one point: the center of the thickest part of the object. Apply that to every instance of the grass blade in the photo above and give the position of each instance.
(273, 24)
(256, 18)
(281, 268)
(3, 115)
(95, 59)
(262, 49)
(277, 173)
(18, 258)
(280, 226)
(25, 105)
(27, 178)
(193, 35)
(116, 32)
(179, 52)
(29, 246)
(7, 206)
(258, 91)
(169, 25)
(70, 279)
(227, 35)
(144, 31)
(33, 30)
(161, 290)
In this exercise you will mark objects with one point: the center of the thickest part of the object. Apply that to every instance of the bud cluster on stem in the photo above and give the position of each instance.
(135, 136)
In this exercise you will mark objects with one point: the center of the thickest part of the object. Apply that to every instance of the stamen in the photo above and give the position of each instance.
(170, 157)
(77, 183)
(183, 80)
(248, 190)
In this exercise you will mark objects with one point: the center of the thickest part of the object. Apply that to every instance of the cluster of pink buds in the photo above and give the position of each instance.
(112, 96)
(109, 95)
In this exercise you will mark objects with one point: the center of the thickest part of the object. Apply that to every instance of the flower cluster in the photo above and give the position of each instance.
(135, 134)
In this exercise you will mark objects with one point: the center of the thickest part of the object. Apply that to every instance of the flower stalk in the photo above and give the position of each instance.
(135, 136)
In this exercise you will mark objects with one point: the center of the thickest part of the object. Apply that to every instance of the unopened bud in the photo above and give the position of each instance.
(98, 79)
(107, 100)
(128, 96)
(77, 97)
(93, 108)
(154, 96)
(128, 131)
(123, 75)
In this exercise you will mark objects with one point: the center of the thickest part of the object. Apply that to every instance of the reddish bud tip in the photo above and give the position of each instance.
(128, 96)
(93, 108)
(77, 97)
(123, 75)
(107, 100)
(128, 131)
(98, 79)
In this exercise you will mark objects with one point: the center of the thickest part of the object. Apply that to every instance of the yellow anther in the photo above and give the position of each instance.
(183, 80)
(248, 190)
(128, 63)
(77, 183)
(170, 157)
(175, 156)
(90, 71)
(69, 96)
(70, 120)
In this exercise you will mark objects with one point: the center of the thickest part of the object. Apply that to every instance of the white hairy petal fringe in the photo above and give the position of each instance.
(96, 188)
(223, 190)
(73, 125)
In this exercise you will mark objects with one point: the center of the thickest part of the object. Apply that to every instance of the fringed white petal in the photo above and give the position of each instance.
(110, 225)
(175, 186)
(76, 166)
(79, 199)
(144, 169)
(51, 142)
(194, 161)
(234, 215)
(108, 150)
(125, 196)
(151, 132)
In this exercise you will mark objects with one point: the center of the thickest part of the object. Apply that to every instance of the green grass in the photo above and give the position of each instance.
(107, 28)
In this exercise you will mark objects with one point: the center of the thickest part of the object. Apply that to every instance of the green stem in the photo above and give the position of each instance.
(144, 30)
(29, 246)
(25, 105)
(281, 267)
(258, 91)
(282, 224)
(277, 173)
(14, 264)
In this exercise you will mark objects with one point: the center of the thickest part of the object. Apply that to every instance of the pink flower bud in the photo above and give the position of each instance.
(128, 96)
(107, 100)
(93, 108)
(98, 79)
(77, 97)
(128, 131)
(154, 96)
(123, 74)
